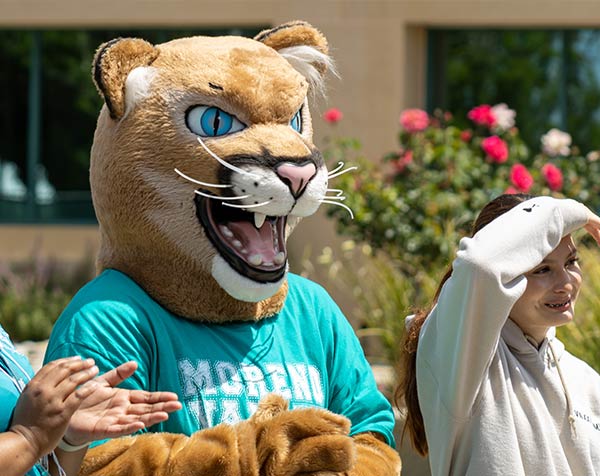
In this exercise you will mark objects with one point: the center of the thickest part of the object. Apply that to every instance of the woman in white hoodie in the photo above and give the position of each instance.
(488, 388)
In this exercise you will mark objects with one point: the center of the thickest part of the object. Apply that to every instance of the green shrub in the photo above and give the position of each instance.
(418, 201)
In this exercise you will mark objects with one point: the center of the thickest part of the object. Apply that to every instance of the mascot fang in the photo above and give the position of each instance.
(201, 166)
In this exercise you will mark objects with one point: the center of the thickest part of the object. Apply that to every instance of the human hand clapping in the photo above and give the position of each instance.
(49, 400)
(109, 412)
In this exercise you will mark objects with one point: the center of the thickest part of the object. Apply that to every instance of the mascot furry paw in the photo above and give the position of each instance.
(202, 164)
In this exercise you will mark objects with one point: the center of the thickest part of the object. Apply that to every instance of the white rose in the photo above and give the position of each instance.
(556, 142)
(593, 156)
(505, 117)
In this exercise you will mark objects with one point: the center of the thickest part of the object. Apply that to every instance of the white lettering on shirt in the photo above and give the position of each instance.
(224, 392)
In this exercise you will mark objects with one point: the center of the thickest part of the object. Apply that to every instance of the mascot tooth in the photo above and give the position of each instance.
(202, 165)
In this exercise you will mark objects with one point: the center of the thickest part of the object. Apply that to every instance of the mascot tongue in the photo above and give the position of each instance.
(262, 246)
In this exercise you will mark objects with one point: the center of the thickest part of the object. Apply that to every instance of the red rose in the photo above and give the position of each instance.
(466, 135)
(553, 176)
(333, 115)
(482, 115)
(495, 148)
(414, 120)
(521, 178)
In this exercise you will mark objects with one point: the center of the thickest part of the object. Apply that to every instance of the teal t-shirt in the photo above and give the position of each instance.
(308, 353)
(15, 372)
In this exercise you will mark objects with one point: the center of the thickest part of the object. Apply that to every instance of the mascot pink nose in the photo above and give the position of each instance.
(296, 176)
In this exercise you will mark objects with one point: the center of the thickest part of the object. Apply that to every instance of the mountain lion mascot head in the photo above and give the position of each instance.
(206, 147)
(202, 164)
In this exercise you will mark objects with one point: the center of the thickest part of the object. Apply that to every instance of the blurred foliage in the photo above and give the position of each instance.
(34, 293)
(382, 293)
(418, 201)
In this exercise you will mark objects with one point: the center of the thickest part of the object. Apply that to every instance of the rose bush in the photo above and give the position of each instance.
(419, 200)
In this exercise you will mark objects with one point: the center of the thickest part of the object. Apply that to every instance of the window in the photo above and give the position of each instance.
(550, 77)
(48, 116)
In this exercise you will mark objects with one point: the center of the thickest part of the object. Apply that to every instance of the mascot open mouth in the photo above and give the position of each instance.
(255, 250)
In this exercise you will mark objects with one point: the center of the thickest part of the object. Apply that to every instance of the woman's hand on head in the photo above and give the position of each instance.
(593, 226)
(110, 412)
(49, 400)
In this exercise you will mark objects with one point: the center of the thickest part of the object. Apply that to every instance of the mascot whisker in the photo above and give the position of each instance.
(219, 198)
(338, 204)
(215, 185)
(222, 162)
(337, 171)
(194, 285)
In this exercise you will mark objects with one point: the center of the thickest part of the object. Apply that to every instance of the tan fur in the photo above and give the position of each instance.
(294, 33)
(273, 442)
(112, 63)
(374, 457)
(291, 34)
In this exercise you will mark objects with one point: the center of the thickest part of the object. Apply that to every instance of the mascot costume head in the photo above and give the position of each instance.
(202, 164)
(206, 147)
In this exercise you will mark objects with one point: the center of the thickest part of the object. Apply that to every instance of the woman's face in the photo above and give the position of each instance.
(552, 288)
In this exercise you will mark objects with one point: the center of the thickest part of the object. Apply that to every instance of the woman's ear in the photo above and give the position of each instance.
(304, 47)
(112, 64)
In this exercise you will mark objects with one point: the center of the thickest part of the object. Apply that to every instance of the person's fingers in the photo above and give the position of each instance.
(58, 379)
(142, 396)
(154, 418)
(85, 390)
(66, 369)
(67, 386)
(58, 369)
(593, 229)
(171, 407)
(123, 429)
(117, 375)
(144, 408)
(71, 405)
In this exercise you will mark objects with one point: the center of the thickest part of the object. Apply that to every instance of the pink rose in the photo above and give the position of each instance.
(333, 115)
(521, 178)
(495, 148)
(553, 176)
(482, 115)
(414, 120)
(510, 191)
(402, 161)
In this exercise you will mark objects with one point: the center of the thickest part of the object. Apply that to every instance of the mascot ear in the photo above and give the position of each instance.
(112, 64)
(304, 47)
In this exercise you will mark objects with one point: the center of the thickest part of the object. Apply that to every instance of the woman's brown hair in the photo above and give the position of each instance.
(406, 394)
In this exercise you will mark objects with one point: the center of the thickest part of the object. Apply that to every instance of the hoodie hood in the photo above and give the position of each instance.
(521, 345)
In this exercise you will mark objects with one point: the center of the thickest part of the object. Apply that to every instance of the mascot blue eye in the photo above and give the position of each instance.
(296, 122)
(210, 121)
